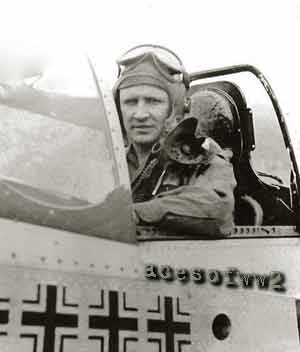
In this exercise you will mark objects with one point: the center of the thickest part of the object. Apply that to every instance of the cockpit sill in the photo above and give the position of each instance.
(27, 204)
(150, 233)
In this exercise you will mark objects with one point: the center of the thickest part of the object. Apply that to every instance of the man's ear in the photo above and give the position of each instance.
(187, 105)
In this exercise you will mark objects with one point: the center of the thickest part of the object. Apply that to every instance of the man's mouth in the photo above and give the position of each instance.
(142, 127)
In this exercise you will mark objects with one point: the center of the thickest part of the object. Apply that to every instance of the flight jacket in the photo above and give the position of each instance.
(187, 199)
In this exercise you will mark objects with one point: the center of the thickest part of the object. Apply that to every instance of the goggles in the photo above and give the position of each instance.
(166, 59)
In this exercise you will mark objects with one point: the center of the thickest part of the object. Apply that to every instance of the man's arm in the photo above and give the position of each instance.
(204, 207)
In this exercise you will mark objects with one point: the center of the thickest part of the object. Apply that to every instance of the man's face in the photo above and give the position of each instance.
(144, 110)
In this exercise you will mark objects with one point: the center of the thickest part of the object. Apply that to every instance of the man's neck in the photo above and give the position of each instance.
(142, 152)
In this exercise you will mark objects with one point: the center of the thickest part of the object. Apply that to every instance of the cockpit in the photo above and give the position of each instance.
(237, 107)
(262, 195)
(62, 160)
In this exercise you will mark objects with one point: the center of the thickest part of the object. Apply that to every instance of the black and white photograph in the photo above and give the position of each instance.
(149, 176)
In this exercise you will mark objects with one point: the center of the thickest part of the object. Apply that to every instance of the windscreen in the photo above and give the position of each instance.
(49, 148)
(57, 151)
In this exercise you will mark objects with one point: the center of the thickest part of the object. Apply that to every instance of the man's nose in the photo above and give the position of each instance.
(142, 112)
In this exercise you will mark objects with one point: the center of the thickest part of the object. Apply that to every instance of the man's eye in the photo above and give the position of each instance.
(130, 102)
(153, 101)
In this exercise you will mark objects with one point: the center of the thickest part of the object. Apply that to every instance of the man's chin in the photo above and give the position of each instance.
(144, 140)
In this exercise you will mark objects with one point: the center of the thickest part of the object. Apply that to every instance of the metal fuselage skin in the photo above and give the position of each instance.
(62, 291)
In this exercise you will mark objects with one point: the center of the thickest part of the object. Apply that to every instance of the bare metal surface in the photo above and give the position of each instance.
(80, 268)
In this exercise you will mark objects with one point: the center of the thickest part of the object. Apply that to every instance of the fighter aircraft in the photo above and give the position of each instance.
(77, 275)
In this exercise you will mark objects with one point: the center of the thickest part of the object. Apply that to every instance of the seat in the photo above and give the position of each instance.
(223, 115)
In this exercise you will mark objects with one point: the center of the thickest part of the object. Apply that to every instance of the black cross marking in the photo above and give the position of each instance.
(65, 303)
(98, 338)
(101, 305)
(156, 310)
(168, 326)
(63, 338)
(33, 337)
(50, 319)
(128, 339)
(298, 316)
(125, 307)
(182, 343)
(179, 312)
(113, 322)
(3, 317)
(4, 314)
(36, 300)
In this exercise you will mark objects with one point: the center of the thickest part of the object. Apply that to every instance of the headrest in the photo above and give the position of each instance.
(224, 115)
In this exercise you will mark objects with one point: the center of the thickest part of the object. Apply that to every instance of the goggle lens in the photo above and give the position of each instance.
(166, 56)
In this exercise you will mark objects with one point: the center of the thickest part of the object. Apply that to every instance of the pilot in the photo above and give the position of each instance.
(186, 193)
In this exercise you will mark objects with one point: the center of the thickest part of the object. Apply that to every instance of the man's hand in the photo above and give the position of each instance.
(135, 217)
